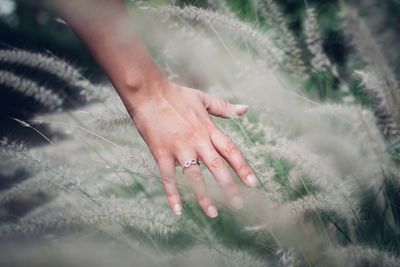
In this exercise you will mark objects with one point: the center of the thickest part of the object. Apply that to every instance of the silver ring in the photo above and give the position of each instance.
(191, 162)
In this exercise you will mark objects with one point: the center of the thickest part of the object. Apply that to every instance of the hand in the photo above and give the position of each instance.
(173, 120)
(176, 125)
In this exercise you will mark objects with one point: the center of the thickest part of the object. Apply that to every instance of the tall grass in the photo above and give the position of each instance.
(329, 188)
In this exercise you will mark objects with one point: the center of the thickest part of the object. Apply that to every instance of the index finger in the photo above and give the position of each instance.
(231, 153)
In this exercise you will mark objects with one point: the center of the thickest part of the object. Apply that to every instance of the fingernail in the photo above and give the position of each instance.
(241, 109)
(252, 180)
(212, 211)
(237, 202)
(177, 209)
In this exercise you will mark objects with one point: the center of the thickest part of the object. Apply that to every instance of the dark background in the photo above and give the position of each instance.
(27, 25)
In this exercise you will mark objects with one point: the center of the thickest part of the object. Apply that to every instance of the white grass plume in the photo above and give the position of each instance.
(43, 95)
(371, 52)
(320, 61)
(132, 214)
(385, 104)
(261, 42)
(55, 66)
(359, 255)
(220, 6)
(284, 36)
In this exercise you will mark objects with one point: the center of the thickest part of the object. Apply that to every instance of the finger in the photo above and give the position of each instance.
(223, 109)
(168, 178)
(220, 171)
(196, 182)
(230, 151)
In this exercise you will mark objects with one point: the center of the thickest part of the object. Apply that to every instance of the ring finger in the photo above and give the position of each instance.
(196, 181)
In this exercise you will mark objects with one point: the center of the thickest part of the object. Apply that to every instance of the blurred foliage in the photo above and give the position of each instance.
(30, 26)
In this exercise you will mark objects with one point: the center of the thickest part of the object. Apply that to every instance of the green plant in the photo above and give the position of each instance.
(328, 188)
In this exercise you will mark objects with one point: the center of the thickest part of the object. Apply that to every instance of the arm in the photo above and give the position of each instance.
(106, 29)
(173, 120)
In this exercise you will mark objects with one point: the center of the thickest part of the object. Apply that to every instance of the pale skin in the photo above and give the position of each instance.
(174, 121)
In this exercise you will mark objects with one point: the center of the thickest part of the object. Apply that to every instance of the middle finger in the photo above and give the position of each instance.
(220, 171)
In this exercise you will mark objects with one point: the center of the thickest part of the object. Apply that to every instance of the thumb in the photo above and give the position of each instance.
(223, 109)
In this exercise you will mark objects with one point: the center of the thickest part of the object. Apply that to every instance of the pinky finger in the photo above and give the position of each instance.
(168, 178)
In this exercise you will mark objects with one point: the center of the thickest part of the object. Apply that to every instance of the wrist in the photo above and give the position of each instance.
(137, 91)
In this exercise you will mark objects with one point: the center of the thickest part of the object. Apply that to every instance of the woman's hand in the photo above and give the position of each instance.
(175, 123)
(173, 120)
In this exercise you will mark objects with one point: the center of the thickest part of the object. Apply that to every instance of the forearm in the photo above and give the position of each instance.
(173, 120)
(107, 30)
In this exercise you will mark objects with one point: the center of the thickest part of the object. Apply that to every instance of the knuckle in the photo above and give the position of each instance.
(217, 163)
(214, 133)
(191, 133)
(209, 125)
(172, 196)
(202, 145)
(223, 105)
(204, 200)
(198, 92)
(227, 184)
(231, 148)
(160, 154)
(244, 168)
(175, 135)
(166, 180)
(195, 176)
